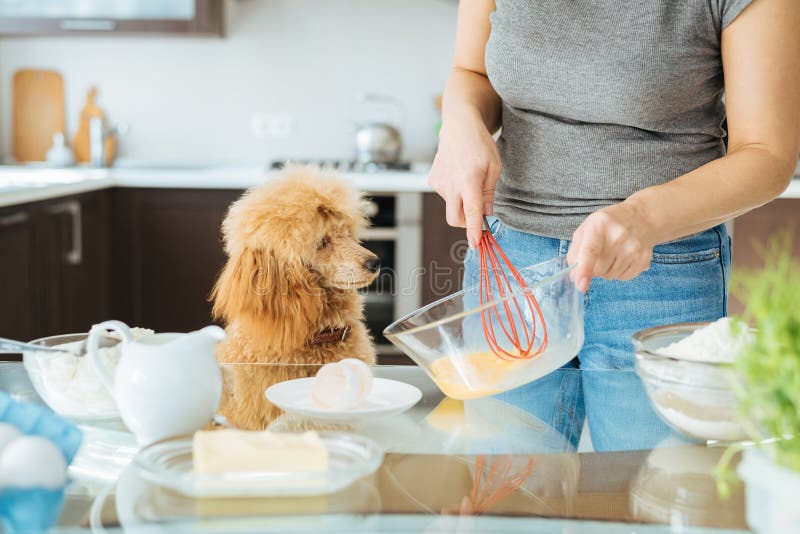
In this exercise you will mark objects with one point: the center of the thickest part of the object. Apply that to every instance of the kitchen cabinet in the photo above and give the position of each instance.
(55, 264)
(167, 255)
(150, 256)
(752, 231)
(443, 251)
(65, 17)
(75, 241)
(17, 265)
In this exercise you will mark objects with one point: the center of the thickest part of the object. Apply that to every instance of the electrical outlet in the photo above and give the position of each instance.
(270, 125)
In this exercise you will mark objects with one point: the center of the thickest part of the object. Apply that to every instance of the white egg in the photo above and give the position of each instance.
(32, 462)
(8, 433)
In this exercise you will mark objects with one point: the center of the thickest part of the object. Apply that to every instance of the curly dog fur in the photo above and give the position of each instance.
(294, 265)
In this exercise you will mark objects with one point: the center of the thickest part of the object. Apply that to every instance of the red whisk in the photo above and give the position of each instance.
(493, 485)
(498, 483)
(494, 264)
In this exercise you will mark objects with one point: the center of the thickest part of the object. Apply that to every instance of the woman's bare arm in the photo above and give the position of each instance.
(761, 60)
(468, 90)
(467, 164)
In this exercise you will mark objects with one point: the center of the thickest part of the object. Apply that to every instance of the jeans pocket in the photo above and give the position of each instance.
(686, 257)
(496, 226)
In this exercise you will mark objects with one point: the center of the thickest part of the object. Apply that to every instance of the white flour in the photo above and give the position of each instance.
(715, 343)
(71, 384)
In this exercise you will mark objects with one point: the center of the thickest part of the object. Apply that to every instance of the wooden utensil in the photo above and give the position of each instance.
(80, 143)
(38, 113)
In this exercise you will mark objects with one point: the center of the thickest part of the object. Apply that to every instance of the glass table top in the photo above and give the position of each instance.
(498, 463)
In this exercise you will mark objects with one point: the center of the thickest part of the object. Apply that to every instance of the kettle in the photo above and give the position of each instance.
(377, 142)
(377, 138)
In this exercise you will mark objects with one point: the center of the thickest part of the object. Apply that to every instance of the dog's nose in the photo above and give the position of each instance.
(373, 265)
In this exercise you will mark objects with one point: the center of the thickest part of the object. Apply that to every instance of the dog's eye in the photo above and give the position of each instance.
(324, 242)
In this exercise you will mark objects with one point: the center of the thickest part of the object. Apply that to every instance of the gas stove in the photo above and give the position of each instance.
(345, 165)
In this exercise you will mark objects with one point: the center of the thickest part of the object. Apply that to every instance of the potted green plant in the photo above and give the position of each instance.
(768, 390)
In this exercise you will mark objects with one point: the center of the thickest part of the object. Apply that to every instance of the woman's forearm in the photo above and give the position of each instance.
(746, 178)
(617, 242)
(467, 95)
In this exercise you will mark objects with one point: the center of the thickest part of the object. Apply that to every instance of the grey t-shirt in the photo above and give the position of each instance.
(602, 98)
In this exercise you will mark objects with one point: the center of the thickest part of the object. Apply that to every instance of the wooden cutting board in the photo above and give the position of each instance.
(38, 113)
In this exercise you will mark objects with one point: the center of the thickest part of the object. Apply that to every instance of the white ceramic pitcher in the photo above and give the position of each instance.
(165, 384)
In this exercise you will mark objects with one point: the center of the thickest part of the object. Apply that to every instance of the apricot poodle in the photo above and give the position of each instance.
(288, 293)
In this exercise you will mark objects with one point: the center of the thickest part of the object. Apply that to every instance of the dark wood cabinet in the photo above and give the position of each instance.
(97, 17)
(17, 265)
(54, 272)
(752, 231)
(167, 255)
(148, 257)
(443, 250)
(76, 267)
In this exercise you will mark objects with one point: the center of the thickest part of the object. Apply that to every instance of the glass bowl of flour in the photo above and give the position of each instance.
(687, 374)
(67, 383)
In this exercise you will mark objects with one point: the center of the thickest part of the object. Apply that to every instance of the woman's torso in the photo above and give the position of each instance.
(602, 98)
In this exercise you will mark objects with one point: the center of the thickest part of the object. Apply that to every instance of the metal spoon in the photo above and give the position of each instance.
(10, 346)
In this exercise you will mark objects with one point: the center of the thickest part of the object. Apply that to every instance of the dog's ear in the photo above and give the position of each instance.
(233, 291)
(273, 300)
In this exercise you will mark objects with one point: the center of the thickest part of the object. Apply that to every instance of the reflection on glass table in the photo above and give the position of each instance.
(448, 465)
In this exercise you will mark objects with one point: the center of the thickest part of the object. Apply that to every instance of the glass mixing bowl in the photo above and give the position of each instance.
(67, 383)
(693, 397)
(447, 338)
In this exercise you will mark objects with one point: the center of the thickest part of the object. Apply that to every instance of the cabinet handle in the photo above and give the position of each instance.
(74, 256)
(15, 218)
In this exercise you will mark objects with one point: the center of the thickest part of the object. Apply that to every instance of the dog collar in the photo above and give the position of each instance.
(330, 335)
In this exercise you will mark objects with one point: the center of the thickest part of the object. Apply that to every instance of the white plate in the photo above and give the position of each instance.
(169, 464)
(388, 397)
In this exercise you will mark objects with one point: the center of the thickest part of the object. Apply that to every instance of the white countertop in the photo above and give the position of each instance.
(19, 185)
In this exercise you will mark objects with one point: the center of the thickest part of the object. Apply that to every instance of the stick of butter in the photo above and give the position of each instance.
(228, 450)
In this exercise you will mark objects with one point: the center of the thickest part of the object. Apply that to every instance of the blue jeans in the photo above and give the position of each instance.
(687, 281)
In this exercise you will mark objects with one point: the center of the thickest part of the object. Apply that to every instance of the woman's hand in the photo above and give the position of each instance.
(465, 171)
(612, 243)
